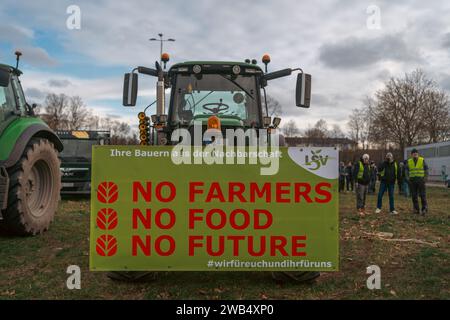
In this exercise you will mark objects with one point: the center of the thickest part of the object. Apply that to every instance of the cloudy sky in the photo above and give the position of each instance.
(347, 49)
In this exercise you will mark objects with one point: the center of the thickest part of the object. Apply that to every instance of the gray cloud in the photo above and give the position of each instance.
(59, 83)
(35, 94)
(446, 40)
(113, 116)
(445, 83)
(319, 37)
(14, 33)
(355, 52)
(36, 56)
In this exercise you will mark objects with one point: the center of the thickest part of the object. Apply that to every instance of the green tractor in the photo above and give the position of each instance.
(30, 178)
(217, 95)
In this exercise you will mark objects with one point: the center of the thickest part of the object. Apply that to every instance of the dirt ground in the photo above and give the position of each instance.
(35, 268)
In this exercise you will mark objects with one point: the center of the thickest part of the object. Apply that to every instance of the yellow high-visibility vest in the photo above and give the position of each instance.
(416, 170)
(361, 170)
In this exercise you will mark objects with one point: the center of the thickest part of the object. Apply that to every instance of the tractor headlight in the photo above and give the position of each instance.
(276, 122)
(236, 69)
(267, 121)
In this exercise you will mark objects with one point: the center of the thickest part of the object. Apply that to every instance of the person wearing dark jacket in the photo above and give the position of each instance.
(373, 177)
(342, 175)
(417, 173)
(361, 174)
(389, 174)
(349, 177)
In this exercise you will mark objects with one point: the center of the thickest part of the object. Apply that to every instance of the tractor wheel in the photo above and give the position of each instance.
(35, 183)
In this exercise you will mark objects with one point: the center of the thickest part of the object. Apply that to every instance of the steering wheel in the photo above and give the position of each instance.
(218, 108)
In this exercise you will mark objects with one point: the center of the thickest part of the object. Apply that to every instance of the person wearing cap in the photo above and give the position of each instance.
(389, 174)
(417, 173)
(361, 172)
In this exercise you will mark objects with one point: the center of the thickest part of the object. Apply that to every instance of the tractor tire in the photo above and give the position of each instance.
(33, 196)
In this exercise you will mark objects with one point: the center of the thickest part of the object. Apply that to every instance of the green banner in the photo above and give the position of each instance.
(151, 212)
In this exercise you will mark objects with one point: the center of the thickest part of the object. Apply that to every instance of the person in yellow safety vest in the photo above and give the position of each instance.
(389, 174)
(417, 172)
(361, 174)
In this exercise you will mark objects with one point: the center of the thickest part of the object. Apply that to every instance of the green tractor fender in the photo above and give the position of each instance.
(14, 138)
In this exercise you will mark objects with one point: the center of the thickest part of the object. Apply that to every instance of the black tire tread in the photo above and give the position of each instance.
(14, 216)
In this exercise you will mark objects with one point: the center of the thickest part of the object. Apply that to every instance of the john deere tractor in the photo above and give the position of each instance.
(30, 178)
(217, 95)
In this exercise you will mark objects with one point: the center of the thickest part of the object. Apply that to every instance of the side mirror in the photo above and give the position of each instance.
(4, 78)
(303, 90)
(130, 88)
(277, 74)
(148, 71)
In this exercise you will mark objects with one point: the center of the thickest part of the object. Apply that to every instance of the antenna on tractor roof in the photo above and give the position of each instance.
(18, 54)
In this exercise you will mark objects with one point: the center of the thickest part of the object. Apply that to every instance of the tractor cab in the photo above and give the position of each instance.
(227, 91)
(12, 99)
(217, 95)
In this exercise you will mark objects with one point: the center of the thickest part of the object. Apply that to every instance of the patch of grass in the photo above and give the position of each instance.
(35, 268)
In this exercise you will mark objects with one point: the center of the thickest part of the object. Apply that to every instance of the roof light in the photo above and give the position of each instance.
(165, 57)
(266, 59)
(214, 122)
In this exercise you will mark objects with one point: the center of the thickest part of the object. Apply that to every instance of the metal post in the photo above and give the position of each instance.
(161, 48)
(161, 40)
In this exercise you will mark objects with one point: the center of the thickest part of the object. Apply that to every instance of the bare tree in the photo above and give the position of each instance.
(120, 132)
(410, 110)
(93, 122)
(319, 131)
(436, 117)
(56, 112)
(358, 124)
(290, 129)
(336, 132)
(78, 114)
(274, 107)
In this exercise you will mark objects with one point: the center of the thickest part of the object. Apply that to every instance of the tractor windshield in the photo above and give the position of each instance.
(223, 95)
(7, 102)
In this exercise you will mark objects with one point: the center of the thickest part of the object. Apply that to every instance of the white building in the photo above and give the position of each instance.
(437, 156)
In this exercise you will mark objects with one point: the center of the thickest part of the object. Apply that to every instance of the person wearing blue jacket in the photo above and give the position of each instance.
(389, 174)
